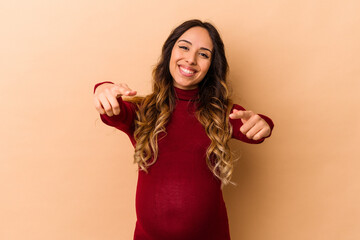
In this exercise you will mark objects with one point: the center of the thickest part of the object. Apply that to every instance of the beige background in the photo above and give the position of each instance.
(65, 175)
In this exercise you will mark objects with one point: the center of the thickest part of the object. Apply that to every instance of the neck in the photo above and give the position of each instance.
(186, 94)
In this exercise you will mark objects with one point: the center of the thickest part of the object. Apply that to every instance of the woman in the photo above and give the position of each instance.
(180, 133)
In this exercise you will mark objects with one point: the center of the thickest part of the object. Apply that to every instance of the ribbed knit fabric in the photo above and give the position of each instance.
(179, 198)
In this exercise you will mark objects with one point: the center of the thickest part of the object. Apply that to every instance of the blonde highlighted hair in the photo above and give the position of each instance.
(213, 107)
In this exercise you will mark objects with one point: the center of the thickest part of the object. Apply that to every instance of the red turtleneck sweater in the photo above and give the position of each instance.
(179, 198)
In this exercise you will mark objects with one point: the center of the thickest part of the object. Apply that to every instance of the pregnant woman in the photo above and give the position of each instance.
(180, 133)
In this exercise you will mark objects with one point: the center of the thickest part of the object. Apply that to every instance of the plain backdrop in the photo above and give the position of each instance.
(66, 175)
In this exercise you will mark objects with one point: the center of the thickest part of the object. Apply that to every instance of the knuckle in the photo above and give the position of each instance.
(242, 129)
(116, 109)
(109, 113)
(107, 109)
(100, 95)
(118, 93)
(257, 117)
(262, 124)
(107, 90)
(115, 87)
(268, 131)
(121, 89)
(98, 108)
(96, 101)
(114, 91)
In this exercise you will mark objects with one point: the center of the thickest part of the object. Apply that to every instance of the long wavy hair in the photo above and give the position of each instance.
(213, 107)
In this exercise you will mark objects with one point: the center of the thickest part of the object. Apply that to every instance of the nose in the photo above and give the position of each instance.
(191, 58)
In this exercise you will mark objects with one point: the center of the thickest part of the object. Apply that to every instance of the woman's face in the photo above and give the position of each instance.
(191, 58)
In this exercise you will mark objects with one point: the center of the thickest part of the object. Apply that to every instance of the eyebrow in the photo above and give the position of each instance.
(183, 40)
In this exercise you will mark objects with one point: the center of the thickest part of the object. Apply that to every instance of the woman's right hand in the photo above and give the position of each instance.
(105, 97)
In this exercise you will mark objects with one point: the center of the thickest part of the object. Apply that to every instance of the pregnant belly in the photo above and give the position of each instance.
(171, 206)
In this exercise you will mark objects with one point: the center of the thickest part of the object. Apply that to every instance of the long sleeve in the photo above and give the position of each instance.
(237, 123)
(125, 120)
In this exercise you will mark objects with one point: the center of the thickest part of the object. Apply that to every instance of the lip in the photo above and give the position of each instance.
(181, 67)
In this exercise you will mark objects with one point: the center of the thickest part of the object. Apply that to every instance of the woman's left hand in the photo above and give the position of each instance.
(254, 127)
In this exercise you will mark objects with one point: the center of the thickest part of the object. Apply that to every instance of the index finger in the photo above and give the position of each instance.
(240, 114)
(123, 90)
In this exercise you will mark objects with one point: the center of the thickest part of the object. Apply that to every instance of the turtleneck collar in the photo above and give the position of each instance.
(183, 94)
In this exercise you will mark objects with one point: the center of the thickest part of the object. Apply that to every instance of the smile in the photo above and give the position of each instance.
(186, 72)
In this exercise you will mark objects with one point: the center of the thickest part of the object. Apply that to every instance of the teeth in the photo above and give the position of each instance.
(187, 71)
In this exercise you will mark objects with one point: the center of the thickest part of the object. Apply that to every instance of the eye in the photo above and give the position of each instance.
(184, 47)
(204, 55)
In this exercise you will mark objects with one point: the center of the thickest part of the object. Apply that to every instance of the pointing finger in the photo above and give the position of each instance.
(123, 89)
(240, 114)
(130, 93)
